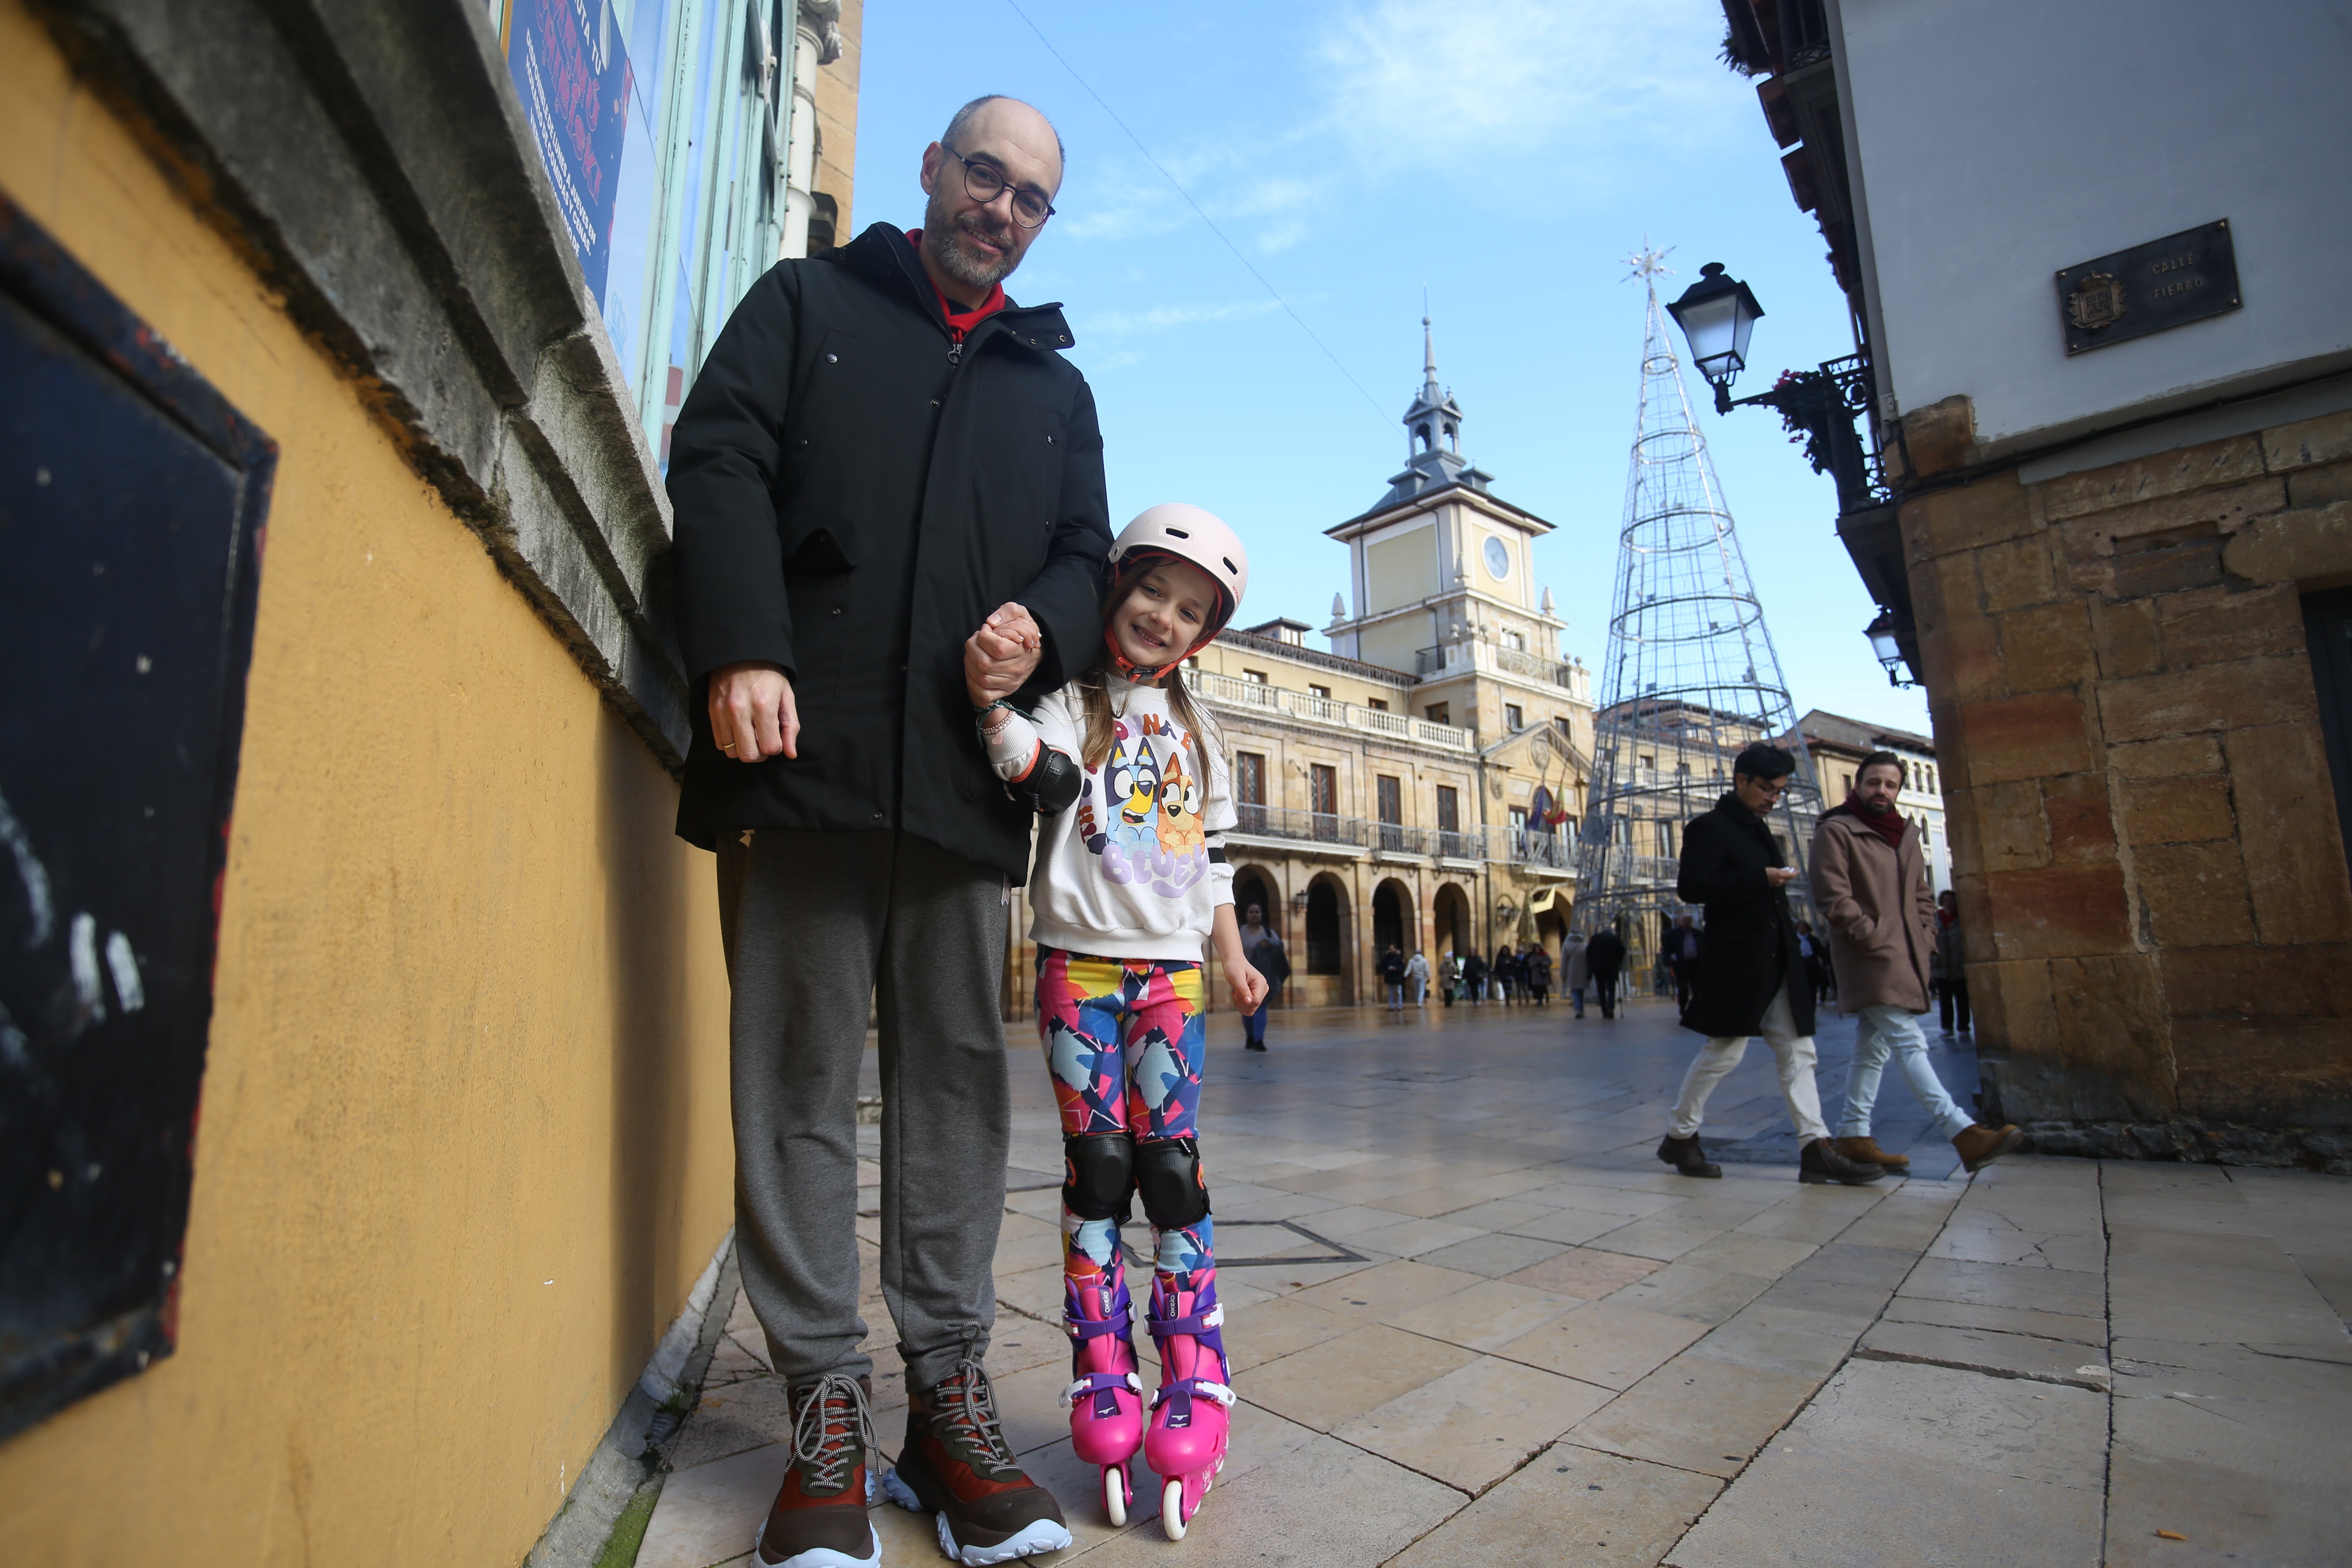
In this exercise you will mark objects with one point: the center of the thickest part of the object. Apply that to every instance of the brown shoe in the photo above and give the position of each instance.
(1981, 1146)
(1818, 1161)
(956, 1467)
(819, 1516)
(1687, 1157)
(1866, 1151)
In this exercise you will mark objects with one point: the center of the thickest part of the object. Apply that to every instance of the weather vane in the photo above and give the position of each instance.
(1649, 261)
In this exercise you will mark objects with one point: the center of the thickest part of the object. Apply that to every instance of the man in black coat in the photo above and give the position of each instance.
(886, 477)
(1604, 957)
(1749, 977)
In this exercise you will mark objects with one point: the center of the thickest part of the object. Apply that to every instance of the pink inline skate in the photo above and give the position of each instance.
(1186, 1445)
(1105, 1403)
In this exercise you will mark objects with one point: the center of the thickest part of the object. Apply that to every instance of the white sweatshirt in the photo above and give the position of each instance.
(1137, 868)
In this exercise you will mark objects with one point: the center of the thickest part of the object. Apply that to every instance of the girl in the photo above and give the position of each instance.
(1130, 783)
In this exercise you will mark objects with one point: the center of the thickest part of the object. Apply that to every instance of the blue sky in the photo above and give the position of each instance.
(1509, 155)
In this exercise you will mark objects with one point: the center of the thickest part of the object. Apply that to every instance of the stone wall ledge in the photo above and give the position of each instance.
(2186, 1141)
(373, 163)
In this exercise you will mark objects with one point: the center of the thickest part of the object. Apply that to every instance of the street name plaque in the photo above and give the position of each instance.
(2167, 282)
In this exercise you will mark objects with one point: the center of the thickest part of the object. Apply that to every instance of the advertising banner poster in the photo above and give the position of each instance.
(571, 68)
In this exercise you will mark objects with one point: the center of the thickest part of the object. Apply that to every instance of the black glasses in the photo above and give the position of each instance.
(982, 181)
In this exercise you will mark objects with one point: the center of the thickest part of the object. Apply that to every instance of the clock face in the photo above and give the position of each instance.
(1498, 559)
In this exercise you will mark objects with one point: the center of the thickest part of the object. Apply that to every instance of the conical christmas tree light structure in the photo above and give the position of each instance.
(1690, 676)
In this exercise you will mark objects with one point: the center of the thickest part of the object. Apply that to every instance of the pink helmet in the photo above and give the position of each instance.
(1189, 534)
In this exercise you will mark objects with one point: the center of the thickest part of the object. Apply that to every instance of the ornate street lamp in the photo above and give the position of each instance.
(1882, 635)
(1715, 314)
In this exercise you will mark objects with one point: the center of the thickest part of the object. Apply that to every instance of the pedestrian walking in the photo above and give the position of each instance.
(1538, 968)
(1473, 978)
(1809, 946)
(856, 480)
(1262, 947)
(1416, 975)
(1504, 974)
(1449, 976)
(1393, 977)
(1576, 969)
(1127, 777)
(1870, 882)
(1750, 979)
(1951, 971)
(1682, 957)
(1606, 957)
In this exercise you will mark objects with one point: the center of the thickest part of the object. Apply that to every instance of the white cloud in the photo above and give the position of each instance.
(1114, 325)
(1463, 87)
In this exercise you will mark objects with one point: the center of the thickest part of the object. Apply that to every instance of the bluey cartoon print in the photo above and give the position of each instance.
(1149, 830)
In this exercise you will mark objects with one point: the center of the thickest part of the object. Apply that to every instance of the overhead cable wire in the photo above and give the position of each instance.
(1197, 211)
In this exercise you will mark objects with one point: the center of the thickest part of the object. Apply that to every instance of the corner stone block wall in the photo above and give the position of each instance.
(2151, 873)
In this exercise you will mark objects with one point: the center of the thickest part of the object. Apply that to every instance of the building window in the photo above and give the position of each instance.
(1255, 677)
(1322, 691)
(1516, 641)
(1249, 791)
(1438, 714)
(1323, 798)
(1514, 718)
(1391, 807)
(1377, 704)
(1449, 809)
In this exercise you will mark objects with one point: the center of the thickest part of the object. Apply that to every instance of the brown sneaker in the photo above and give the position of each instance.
(1866, 1150)
(1687, 1157)
(957, 1465)
(1981, 1146)
(819, 1519)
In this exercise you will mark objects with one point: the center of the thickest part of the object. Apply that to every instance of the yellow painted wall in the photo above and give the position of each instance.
(464, 1146)
(1401, 570)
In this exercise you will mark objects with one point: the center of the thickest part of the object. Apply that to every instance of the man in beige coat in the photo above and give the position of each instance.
(1870, 883)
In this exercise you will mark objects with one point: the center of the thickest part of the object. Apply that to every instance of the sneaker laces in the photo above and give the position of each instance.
(969, 1407)
(822, 1453)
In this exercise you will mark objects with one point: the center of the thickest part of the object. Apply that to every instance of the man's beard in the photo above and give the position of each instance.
(944, 239)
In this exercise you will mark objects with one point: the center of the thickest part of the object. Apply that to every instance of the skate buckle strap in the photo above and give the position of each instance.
(1085, 1329)
(1179, 1396)
(1097, 1382)
(1197, 1323)
(821, 1453)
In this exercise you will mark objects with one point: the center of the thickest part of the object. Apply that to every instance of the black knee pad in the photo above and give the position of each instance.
(1168, 1175)
(1097, 1173)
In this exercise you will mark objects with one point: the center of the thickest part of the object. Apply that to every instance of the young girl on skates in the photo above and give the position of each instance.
(1129, 781)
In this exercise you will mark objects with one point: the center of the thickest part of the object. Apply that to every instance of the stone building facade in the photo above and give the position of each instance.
(2115, 531)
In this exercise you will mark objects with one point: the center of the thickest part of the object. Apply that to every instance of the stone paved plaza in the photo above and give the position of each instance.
(1473, 1320)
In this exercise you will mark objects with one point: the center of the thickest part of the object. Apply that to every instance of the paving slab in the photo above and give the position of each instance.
(1327, 1385)
(1698, 1413)
(1985, 1350)
(2002, 1320)
(1605, 1343)
(1571, 1504)
(1487, 1316)
(1476, 1424)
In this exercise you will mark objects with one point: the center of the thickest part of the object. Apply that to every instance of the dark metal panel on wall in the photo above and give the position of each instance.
(132, 502)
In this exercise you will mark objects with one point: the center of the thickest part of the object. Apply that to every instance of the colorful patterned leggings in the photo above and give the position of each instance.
(1124, 1038)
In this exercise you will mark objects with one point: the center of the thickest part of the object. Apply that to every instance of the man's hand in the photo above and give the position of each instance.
(1779, 876)
(1249, 987)
(1000, 658)
(752, 715)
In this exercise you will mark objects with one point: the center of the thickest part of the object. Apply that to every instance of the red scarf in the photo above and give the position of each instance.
(961, 321)
(1888, 825)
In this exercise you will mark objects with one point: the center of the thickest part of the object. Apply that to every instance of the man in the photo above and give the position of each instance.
(882, 453)
(1262, 945)
(1449, 976)
(1951, 971)
(1575, 968)
(1539, 975)
(1750, 978)
(1416, 975)
(1393, 977)
(1682, 957)
(1605, 957)
(1870, 880)
(1474, 977)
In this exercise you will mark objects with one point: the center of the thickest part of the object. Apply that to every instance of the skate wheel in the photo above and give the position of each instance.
(1172, 1509)
(1116, 1493)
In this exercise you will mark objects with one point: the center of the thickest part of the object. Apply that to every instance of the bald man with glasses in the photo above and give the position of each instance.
(882, 453)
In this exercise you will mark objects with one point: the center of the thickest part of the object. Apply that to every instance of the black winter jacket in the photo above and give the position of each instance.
(854, 493)
(1748, 945)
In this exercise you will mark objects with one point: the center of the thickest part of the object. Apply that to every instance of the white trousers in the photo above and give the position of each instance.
(1881, 1032)
(1792, 1051)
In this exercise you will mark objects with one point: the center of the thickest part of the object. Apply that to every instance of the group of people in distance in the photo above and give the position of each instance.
(1518, 973)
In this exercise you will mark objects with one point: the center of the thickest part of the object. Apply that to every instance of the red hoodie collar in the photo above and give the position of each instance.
(959, 321)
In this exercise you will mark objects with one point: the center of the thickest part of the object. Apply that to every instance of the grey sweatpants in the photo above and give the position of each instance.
(816, 924)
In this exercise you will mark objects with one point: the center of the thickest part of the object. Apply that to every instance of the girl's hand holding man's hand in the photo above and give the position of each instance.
(1001, 657)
